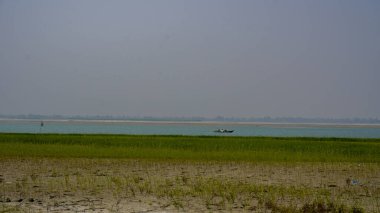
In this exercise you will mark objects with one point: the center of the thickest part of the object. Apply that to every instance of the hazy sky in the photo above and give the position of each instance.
(190, 58)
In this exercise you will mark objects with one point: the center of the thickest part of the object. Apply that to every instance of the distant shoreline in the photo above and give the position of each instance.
(251, 123)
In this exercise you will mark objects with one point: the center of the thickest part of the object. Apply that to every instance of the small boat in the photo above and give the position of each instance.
(224, 131)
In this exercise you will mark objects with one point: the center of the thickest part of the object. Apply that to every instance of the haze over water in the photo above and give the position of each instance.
(295, 58)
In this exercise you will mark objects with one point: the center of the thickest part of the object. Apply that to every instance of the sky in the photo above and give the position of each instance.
(208, 58)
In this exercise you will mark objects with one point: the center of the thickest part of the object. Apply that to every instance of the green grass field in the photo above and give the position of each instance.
(201, 148)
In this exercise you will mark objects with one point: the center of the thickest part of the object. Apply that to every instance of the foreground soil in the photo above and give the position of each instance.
(112, 185)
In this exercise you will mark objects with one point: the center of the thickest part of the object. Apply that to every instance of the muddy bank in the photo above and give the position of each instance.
(101, 185)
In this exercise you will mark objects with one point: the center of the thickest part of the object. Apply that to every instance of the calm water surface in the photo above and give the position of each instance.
(22, 126)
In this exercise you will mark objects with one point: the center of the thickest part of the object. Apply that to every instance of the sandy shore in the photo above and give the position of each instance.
(264, 124)
(102, 185)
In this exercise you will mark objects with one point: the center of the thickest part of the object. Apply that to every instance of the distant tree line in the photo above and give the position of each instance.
(300, 120)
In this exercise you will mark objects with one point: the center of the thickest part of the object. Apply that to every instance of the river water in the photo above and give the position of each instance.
(189, 128)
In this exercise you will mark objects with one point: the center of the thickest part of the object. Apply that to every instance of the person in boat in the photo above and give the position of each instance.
(224, 131)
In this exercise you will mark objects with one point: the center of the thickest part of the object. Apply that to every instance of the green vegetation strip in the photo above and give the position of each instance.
(272, 149)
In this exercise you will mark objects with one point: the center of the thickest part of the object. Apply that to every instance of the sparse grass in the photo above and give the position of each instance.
(7, 209)
(177, 173)
(191, 148)
(210, 186)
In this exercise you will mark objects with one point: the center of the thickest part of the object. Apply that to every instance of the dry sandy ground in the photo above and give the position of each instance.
(104, 185)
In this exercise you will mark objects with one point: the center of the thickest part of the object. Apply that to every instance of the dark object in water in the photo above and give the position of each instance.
(224, 131)
(42, 123)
